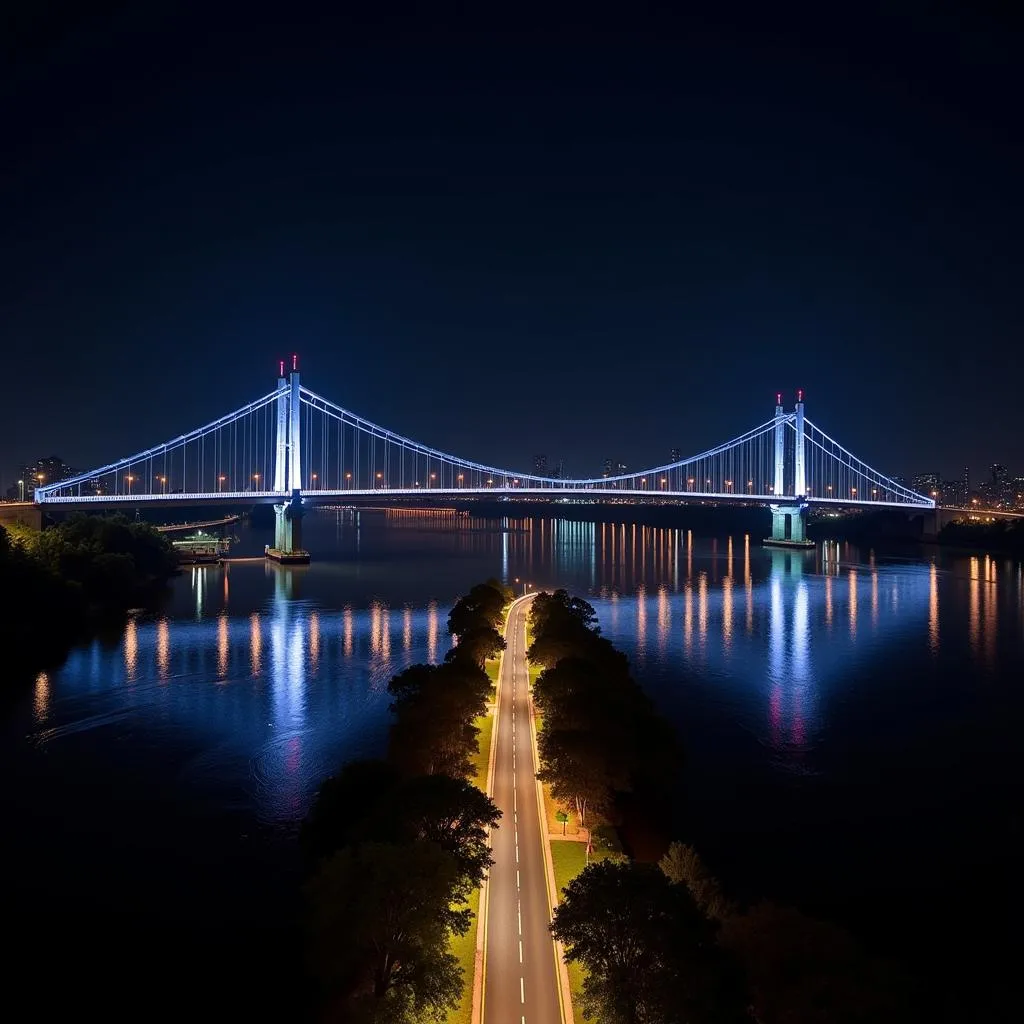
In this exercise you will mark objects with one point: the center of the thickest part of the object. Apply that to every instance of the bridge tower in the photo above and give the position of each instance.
(789, 519)
(288, 469)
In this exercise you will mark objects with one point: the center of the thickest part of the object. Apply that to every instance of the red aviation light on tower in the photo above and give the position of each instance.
(280, 368)
(799, 394)
(778, 398)
(295, 360)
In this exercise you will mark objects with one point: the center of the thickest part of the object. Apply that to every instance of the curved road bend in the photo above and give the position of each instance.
(520, 982)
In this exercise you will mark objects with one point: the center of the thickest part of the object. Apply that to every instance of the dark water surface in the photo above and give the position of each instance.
(852, 723)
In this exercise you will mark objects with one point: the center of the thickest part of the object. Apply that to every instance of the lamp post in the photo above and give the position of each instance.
(21, 485)
(380, 477)
(256, 477)
(460, 479)
(163, 483)
(128, 479)
(348, 479)
(312, 481)
(220, 482)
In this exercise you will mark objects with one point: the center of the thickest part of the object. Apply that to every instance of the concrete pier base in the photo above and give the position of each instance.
(288, 549)
(789, 527)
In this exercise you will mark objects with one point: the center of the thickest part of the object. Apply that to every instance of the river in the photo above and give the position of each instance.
(851, 720)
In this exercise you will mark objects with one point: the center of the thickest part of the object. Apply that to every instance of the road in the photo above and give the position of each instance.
(520, 980)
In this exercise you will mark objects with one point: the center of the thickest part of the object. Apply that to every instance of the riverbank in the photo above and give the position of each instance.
(74, 581)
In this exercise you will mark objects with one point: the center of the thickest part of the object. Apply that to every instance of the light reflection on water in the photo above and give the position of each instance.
(781, 670)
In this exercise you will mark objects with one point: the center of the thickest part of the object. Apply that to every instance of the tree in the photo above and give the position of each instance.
(649, 953)
(379, 919)
(682, 866)
(478, 645)
(580, 769)
(559, 612)
(435, 707)
(453, 815)
(481, 607)
(370, 801)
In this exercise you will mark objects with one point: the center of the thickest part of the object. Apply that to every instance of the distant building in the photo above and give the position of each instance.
(954, 492)
(926, 483)
(1000, 489)
(540, 465)
(49, 470)
(606, 469)
(620, 468)
(674, 455)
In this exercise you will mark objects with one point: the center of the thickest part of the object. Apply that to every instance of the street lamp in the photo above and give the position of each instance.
(433, 477)
(689, 482)
(853, 491)
(129, 478)
(643, 481)
(490, 483)
(728, 483)
(163, 483)
(380, 476)
(21, 484)
(220, 482)
(663, 482)
(348, 477)
(256, 477)
(312, 481)
(460, 479)
(750, 486)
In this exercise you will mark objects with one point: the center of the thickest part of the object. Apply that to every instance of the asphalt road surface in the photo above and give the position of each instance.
(520, 981)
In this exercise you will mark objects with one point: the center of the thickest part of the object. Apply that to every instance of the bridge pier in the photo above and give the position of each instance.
(287, 547)
(789, 527)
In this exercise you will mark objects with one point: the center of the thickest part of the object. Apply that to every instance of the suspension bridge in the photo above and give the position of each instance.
(293, 447)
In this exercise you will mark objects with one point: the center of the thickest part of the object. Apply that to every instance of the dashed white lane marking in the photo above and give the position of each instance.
(520, 950)
(517, 850)
(522, 991)
(519, 916)
(513, 801)
(517, 878)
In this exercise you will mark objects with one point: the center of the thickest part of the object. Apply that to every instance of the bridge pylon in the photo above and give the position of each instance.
(789, 519)
(288, 547)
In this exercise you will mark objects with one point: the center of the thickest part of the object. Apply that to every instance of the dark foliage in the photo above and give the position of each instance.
(650, 953)
(602, 736)
(67, 580)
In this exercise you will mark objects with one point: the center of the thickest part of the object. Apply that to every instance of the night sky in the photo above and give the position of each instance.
(504, 235)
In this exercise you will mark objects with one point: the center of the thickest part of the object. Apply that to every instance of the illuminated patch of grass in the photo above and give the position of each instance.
(464, 948)
(485, 723)
(569, 859)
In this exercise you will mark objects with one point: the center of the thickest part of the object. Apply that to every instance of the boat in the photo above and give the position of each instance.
(201, 548)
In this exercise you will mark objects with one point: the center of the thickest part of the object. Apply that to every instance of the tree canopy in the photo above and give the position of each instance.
(602, 735)
(649, 952)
